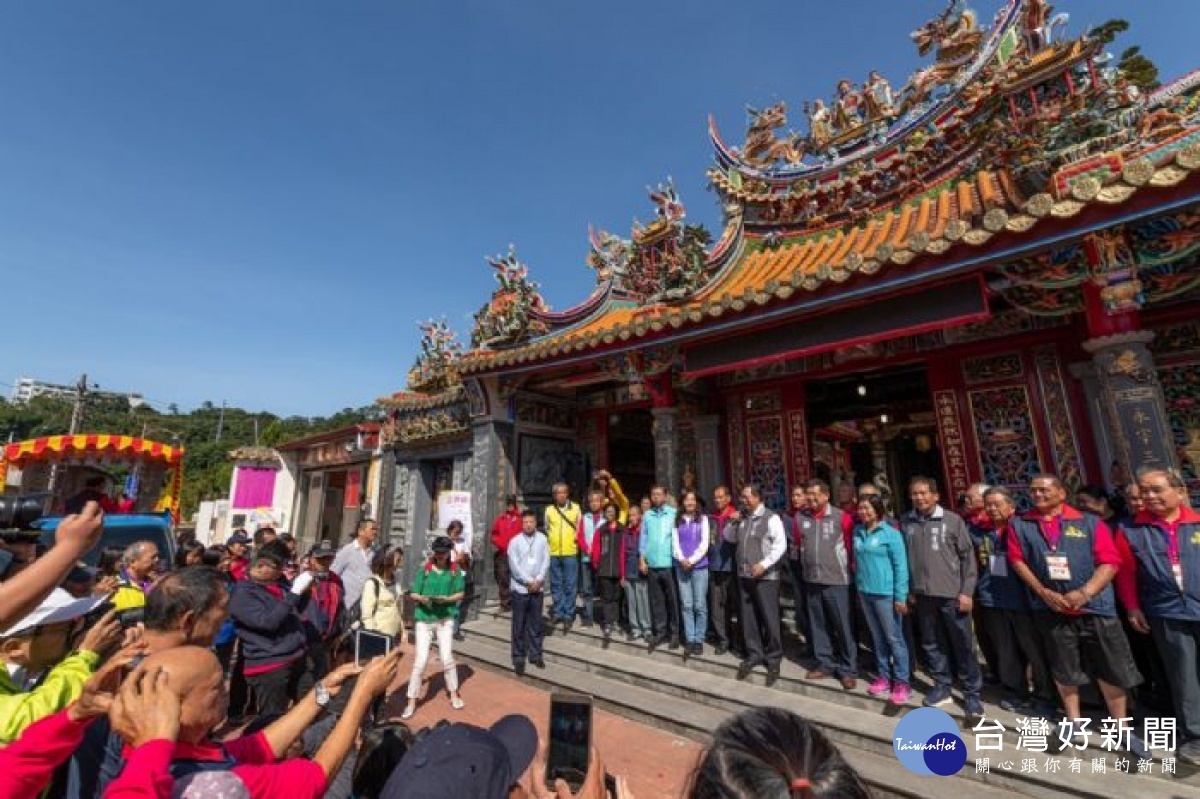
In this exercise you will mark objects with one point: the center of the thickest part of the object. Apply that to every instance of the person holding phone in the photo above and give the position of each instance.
(436, 592)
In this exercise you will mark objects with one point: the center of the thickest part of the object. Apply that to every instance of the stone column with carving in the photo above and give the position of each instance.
(710, 470)
(1133, 400)
(666, 447)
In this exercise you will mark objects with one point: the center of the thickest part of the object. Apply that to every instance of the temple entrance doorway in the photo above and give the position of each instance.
(631, 450)
(877, 427)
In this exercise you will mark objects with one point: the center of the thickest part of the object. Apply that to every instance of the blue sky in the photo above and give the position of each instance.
(257, 201)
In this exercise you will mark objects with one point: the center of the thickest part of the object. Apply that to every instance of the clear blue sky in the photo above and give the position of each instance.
(257, 201)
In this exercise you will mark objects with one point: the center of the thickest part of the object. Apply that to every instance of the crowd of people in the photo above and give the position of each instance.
(1052, 599)
(133, 700)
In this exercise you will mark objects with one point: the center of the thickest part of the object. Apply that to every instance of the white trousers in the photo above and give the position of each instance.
(425, 632)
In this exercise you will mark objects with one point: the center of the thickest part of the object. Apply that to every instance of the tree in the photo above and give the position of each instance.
(1107, 32)
(1139, 70)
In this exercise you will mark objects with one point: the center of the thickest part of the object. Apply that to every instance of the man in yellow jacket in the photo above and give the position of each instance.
(41, 641)
(561, 523)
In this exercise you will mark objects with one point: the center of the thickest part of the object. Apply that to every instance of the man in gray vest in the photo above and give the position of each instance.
(761, 542)
(825, 539)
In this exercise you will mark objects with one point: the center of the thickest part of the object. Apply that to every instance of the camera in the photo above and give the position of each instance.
(20, 511)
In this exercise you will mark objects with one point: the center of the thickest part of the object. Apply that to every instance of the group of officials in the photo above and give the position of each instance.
(1050, 596)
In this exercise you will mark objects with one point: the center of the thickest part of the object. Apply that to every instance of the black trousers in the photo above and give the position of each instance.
(503, 579)
(723, 608)
(1014, 643)
(276, 689)
(317, 663)
(664, 605)
(610, 600)
(526, 627)
(760, 621)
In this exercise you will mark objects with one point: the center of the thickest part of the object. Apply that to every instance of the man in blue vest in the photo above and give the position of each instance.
(1068, 560)
(793, 523)
(1159, 585)
(657, 563)
(723, 599)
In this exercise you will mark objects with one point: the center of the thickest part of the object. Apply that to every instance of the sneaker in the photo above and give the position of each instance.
(1011, 704)
(1137, 748)
(1190, 752)
(519, 669)
(879, 687)
(938, 695)
(973, 707)
(901, 692)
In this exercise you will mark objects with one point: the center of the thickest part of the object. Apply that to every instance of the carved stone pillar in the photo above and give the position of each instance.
(710, 470)
(1133, 400)
(1097, 413)
(666, 447)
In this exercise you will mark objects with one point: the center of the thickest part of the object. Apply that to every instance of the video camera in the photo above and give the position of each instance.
(18, 512)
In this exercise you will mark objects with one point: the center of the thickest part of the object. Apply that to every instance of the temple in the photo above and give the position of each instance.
(987, 272)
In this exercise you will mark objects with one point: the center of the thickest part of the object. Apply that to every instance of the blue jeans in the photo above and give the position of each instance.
(564, 580)
(887, 636)
(587, 590)
(693, 597)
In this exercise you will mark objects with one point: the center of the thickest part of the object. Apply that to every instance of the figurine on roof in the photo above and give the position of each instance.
(1038, 26)
(820, 123)
(764, 147)
(667, 206)
(878, 96)
(609, 254)
(437, 363)
(847, 107)
(510, 316)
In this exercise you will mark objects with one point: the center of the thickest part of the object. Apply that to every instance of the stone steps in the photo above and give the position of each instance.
(691, 698)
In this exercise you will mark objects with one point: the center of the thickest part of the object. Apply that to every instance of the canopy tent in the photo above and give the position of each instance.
(97, 449)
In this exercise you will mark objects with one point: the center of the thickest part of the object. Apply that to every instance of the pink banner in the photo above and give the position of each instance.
(255, 487)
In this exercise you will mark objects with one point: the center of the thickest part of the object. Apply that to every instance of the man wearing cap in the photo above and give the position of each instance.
(529, 563)
(467, 761)
(38, 677)
(267, 621)
(238, 545)
(506, 527)
(322, 611)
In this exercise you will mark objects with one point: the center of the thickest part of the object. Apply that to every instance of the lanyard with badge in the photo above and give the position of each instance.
(1173, 554)
(997, 560)
(1056, 564)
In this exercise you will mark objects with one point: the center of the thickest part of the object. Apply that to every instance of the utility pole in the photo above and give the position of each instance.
(220, 422)
(256, 431)
(76, 423)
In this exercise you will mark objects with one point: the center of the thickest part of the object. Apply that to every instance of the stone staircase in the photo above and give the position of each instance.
(690, 698)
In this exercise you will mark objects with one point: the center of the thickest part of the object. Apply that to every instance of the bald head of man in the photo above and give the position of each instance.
(194, 674)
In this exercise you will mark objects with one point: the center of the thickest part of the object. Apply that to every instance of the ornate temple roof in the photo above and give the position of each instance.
(1010, 137)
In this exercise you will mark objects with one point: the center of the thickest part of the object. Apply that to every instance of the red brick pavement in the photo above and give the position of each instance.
(656, 763)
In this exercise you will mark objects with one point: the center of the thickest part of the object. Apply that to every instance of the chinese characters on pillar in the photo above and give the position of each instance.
(954, 453)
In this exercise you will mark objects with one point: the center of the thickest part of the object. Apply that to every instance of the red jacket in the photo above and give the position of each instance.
(505, 529)
(146, 774)
(28, 763)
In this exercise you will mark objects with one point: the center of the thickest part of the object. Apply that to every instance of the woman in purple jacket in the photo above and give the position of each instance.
(689, 545)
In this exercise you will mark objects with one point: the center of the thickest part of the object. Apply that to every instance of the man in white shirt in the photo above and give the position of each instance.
(353, 561)
(761, 543)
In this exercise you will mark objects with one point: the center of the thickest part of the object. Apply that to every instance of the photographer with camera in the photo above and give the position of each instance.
(74, 537)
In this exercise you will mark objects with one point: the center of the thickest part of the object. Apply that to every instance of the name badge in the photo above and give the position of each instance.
(531, 557)
(1058, 566)
(997, 565)
(1177, 569)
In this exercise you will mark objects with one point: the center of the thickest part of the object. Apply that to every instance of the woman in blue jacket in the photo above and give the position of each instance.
(881, 576)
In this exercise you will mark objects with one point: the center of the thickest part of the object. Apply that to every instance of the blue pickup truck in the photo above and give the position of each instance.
(121, 530)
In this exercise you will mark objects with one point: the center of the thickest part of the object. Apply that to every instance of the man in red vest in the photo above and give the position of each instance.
(1159, 585)
(506, 527)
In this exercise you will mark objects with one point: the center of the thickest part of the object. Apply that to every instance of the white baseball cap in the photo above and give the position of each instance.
(58, 607)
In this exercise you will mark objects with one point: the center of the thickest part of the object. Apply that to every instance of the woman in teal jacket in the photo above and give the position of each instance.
(881, 576)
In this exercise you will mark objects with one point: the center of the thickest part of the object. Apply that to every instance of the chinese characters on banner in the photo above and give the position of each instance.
(954, 451)
(1067, 749)
(455, 505)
